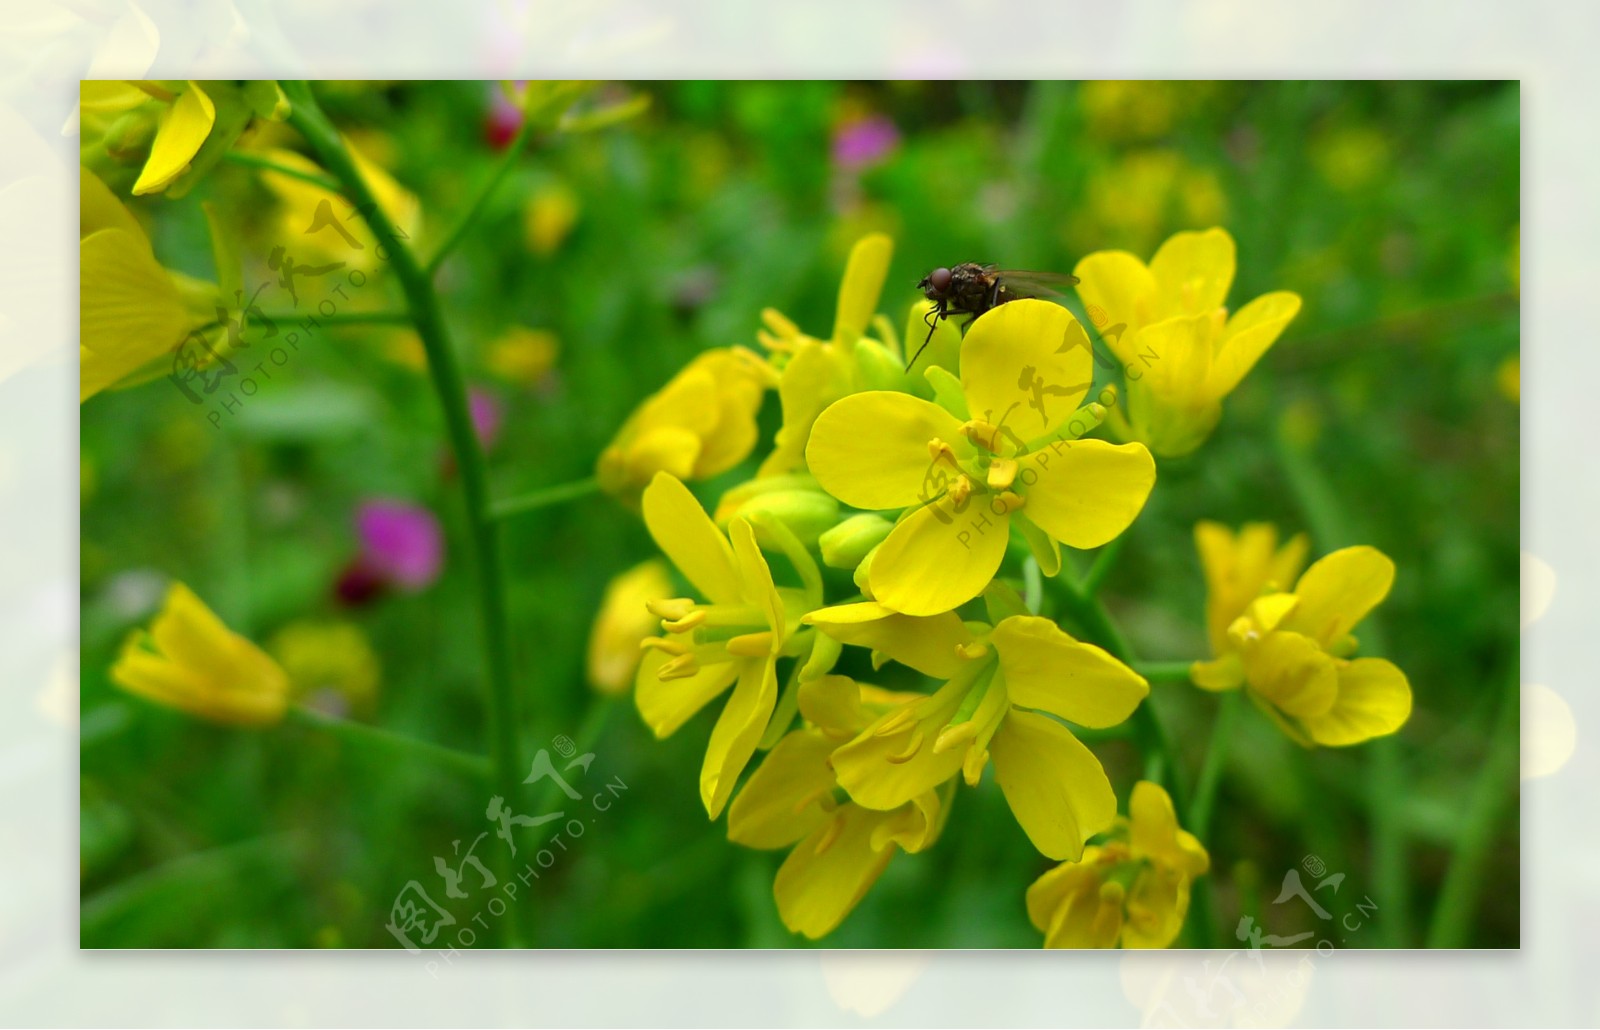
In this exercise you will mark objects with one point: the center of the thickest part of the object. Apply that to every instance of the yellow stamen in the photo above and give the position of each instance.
(937, 449)
(681, 667)
(983, 434)
(688, 622)
(1001, 473)
(671, 647)
(910, 750)
(972, 765)
(954, 736)
(831, 834)
(671, 608)
(976, 649)
(751, 645)
(960, 490)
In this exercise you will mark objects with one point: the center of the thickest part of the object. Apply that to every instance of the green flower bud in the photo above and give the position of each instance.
(846, 544)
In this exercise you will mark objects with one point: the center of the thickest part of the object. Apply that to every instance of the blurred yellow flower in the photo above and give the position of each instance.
(132, 311)
(1240, 568)
(1290, 651)
(523, 356)
(1140, 194)
(622, 622)
(329, 663)
(818, 372)
(733, 639)
(1129, 110)
(1181, 351)
(839, 849)
(1508, 377)
(703, 422)
(1007, 456)
(322, 222)
(189, 660)
(1001, 689)
(1132, 890)
(548, 217)
(1350, 157)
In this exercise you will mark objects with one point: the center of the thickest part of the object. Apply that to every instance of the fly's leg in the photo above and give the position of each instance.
(931, 319)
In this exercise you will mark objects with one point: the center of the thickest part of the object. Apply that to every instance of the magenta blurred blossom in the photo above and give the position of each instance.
(864, 141)
(400, 543)
(487, 415)
(504, 119)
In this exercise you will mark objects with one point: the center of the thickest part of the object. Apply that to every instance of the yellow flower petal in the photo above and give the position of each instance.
(829, 872)
(129, 311)
(686, 534)
(1338, 591)
(938, 558)
(1054, 785)
(1059, 887)
(892, 761)
(833, 705)
(1178, 372)
(109, 96)
(1293, 673)
(1239, 567)
(1193, 271)
(787, 796)
(862, 284)
(1118, 292)
(1152, 820)
(665, 705)
(1026, 365)
(1374, 700)
(738, 730)
(184, 127)
(870, 450)
(925, 643)
(1084, 493)
(99, 208)
(1049, 670)
(622, 622)
(1252, 329)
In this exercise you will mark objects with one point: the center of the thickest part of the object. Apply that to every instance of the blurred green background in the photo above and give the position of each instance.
(1387, 414)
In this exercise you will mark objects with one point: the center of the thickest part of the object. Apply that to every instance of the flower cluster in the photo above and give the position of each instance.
(892, 521)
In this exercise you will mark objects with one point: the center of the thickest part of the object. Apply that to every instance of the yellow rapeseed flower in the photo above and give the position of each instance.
(1002, 687)
(328, 663)
(623, 620)
(839, 848)
(1290, 651)
(132, 311)
(734, 638)
(1181, 350)
(1132, 890)
(189, 660)
(700, 424)
(324, 225)
(1000, 448)
(522, 355)
(1240, 568)
(818, 372)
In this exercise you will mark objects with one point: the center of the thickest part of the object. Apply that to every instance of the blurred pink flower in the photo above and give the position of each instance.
(401, 544)
(487, 415)
(864, 141)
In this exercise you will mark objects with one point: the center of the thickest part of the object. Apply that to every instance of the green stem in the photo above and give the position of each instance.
(386, 742)
(1164, 672)
(1492, 794)
(1105, 560)
(1205, 791)
(423, 305)
(344, 317)
(514, 506)
(245, 157)
(458, 232)
(594, 723)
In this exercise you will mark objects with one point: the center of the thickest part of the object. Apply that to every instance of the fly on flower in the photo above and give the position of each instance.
(971, 289)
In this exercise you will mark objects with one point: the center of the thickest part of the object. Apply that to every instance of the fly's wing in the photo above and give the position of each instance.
(1022, 283)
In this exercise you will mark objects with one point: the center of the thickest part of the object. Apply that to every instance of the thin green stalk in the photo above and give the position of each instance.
(594, 723)
(344, 317)
(423, 305)
(514, 506)
(1391, 861)
(245, 157)
(458, 232)
(381, 741)
(1105, 560)
(1205, 790)
(1164, 672)
(1492, 794)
